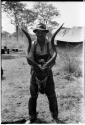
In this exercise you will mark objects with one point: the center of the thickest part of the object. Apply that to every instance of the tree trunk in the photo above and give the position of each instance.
(17, 32)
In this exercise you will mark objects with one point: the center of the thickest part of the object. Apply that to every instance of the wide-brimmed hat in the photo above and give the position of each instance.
(41, 27)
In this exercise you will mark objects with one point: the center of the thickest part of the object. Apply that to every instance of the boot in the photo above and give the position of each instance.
(58, 121)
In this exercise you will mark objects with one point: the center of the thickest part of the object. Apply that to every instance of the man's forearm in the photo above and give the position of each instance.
(34, 64)
(31, 62)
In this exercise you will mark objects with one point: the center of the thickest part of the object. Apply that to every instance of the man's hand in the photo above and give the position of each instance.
(44, 67)
(50, 62)
(40, 68)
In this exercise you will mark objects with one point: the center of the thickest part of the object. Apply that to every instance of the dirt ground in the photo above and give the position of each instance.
(15, 93)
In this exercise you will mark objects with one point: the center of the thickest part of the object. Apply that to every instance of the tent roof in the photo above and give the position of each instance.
(75, 34)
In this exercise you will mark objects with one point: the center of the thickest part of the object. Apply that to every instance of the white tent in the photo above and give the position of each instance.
(75, 34)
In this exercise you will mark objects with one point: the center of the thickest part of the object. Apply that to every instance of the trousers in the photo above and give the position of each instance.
(50, 93)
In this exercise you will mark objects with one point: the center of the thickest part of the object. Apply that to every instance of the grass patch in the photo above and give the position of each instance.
(72, 66)
(8, 56)
(71, 63)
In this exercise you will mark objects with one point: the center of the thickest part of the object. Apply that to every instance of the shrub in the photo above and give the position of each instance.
(71, 65)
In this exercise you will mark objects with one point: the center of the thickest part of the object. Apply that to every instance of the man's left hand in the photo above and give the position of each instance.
(44, 67)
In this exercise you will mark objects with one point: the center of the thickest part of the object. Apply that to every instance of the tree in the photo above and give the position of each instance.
(46, 12)
(13, 10)
(27, 17)
(18, 14)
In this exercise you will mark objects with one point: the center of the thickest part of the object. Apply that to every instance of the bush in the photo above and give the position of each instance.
(71, 65)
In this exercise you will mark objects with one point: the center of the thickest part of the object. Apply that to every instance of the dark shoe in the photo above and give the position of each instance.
(58, 121)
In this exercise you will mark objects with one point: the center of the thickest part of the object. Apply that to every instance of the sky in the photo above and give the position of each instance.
(72, 15)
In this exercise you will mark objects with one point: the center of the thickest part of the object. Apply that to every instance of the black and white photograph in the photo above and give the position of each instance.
(42, 62)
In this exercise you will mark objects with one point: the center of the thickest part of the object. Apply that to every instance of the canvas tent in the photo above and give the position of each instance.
(70, 36)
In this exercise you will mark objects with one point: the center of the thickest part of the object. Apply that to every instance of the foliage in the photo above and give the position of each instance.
(45, 12)
(27, 17)
(18, 13)
(13, 10)
(22, 17)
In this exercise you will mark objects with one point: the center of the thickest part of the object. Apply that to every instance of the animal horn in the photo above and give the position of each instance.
(29, 39)
(52, 39)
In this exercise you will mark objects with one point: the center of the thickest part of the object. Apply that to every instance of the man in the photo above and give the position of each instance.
(41, 58)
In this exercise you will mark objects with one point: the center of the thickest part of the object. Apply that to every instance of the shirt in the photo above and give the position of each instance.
(38, 49)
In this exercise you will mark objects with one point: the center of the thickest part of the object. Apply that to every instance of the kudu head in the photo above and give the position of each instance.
(52, 39)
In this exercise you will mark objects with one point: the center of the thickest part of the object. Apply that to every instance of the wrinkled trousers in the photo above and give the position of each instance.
(50, 93)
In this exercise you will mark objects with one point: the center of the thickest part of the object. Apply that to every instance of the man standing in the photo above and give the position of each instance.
(41, 58)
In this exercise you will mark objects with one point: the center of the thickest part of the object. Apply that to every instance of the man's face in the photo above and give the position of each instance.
(41, 34)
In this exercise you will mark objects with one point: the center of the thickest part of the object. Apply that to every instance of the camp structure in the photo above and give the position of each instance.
(69, 36)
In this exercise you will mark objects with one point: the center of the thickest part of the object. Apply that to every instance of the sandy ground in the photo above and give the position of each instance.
(15, 94)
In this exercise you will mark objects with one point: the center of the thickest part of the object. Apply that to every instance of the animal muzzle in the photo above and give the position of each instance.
(41, 84)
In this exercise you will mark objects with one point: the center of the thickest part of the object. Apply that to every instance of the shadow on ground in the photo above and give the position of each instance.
(22, 121)
(38, 121)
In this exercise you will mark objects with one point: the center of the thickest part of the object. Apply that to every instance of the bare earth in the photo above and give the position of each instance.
(15, 93)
